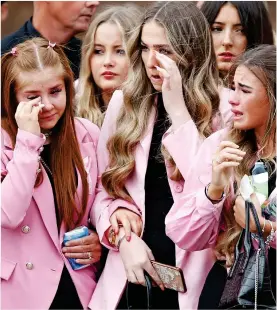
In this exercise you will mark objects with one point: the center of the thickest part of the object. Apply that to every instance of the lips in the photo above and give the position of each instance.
(155, 78)
(109, 73)
(237, 114)
(48, 117)
(227, 56)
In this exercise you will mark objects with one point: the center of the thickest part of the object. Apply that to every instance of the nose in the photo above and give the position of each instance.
(48, 106)
(152, 60)
(109, 61)
(233, 98)
(227, 39)
(91, 3)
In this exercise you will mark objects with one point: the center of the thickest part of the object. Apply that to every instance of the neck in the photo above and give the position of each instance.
(106, 96)
(57, 33)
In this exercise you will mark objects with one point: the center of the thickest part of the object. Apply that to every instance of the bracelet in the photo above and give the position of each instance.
(119, 241)
(213, 201)
(271, 236)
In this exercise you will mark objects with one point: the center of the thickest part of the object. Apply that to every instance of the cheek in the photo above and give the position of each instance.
(216, 41)
(241, 44)
(94, 67)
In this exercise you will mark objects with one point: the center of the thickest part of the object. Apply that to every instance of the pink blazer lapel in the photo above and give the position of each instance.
(46, 207)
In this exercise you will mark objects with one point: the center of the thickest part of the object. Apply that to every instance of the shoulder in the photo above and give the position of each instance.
(86, 130)
(8, 42)
(116, 102)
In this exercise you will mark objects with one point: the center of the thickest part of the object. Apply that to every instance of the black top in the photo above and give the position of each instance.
(158, 196)
(72, 48)
(158, 201)
(66, 296)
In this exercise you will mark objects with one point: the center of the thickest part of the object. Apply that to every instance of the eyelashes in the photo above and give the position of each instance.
(52, 92)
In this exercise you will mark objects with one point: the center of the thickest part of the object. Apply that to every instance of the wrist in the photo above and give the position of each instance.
(214, 193)
(179, 118)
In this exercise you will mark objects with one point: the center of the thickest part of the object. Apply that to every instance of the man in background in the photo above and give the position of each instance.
(58, 22)
(4, 10)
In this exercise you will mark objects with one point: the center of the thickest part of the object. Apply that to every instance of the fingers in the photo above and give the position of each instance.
(28, 106)
(127, 227)
(113, 221)
(88, 240)
(131, 277)
(225, 144)
(139, 273)
(154, 275)
(136, 226)
(166, 62)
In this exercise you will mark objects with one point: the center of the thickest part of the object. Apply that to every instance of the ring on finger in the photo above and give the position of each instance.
(89, 255)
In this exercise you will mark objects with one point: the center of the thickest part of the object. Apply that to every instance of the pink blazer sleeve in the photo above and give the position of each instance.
(193, 221)
(183, 145)
(104, 205)
(18, 175)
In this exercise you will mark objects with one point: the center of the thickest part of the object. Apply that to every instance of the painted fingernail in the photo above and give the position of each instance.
(128, 238)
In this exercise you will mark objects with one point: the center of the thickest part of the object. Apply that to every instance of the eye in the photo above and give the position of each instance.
(216, 29)
(165, 51)
(246, 91)
(143, 48)
(98, 51)
(239, 30)
(55, 91)
(32, 97)
(120, 51)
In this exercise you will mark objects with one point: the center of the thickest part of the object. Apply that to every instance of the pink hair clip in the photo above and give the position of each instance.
(51, 45)
(14, 51)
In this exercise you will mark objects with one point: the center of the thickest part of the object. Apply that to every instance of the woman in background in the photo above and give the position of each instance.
(104, 64)
(236, 26)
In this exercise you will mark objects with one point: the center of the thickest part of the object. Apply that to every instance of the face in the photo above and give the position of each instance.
(109, 62)
(153, 39)
(228, 37)
(74, 15)
(249, 101)
(50, 87)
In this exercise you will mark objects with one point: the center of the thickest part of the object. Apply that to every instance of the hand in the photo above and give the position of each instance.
(26, 115)
(128, 219)
(239, 212)
(136, 257)
(86, 250)
(226, 158)
(172, 90)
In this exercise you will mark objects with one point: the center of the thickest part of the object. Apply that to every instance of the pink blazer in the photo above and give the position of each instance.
(183, 145)
(32, 261)
(193, 222)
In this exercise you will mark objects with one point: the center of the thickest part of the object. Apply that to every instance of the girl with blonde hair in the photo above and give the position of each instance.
(209, 214)
(104, 65)
(48, 178)
(151, 133)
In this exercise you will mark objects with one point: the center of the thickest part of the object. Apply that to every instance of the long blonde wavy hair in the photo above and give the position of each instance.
(89, 96)
(261, 61)
(189, 37)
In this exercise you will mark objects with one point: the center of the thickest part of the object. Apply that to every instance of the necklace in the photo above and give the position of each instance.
(46, 166)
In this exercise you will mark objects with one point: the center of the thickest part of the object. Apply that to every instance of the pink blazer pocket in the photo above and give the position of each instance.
(7, 268)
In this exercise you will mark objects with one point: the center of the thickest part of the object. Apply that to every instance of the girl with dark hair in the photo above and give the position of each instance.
(48, 178)
(236, 26)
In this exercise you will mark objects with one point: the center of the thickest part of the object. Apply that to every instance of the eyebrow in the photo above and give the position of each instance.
(220, 23)
(35, 91)
(101, 45)
(157, 45)
(245, 86)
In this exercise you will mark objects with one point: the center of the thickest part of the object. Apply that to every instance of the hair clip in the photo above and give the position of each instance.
(51, 44)
(14, 51)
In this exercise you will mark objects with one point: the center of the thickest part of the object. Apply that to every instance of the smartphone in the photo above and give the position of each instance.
(171, 276)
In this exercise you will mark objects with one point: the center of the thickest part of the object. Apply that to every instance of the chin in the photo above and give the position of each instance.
(224, 67)
(157, 87)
